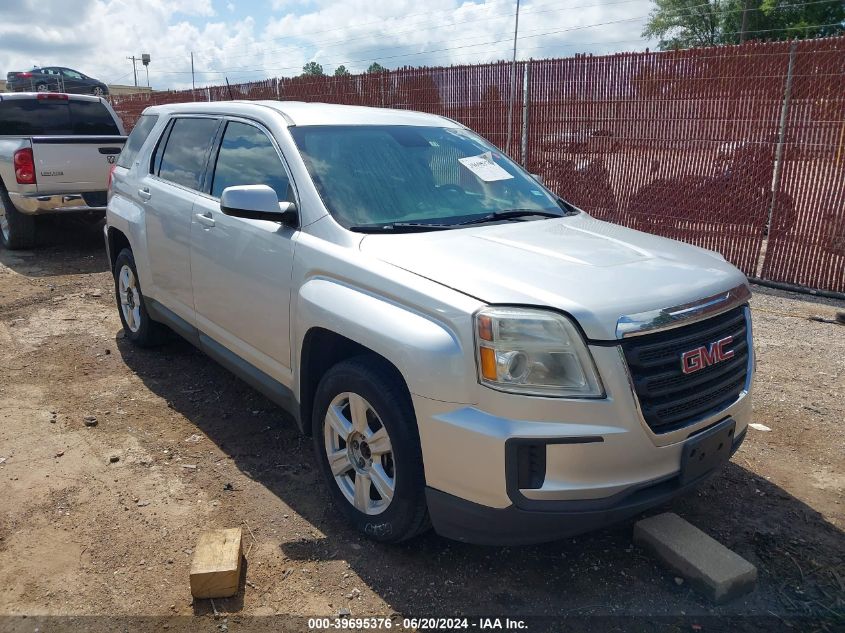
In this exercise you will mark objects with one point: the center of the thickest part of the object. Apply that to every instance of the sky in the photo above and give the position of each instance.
(246, 40)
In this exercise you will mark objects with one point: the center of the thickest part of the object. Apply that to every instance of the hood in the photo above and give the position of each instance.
(595, 271)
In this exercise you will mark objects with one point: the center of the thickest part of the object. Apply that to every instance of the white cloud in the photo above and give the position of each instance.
(331, 32)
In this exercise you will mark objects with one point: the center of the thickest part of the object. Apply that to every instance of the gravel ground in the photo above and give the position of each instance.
(84, 534)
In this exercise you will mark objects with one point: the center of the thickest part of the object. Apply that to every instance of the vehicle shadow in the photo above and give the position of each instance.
(799, 555)
(66, 246)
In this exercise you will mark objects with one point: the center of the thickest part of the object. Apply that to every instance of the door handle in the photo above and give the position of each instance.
(205, 219)
(145, 193)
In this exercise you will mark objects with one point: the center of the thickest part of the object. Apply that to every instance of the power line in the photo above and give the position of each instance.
(430, 15)
(416, 27)
(373, 53)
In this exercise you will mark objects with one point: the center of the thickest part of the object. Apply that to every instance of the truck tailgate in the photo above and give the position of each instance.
(71, 164)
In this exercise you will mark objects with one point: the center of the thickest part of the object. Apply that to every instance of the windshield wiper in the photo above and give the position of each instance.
(400, 227)
(511, 214)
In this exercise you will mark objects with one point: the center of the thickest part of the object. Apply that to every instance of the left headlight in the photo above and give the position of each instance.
(534, 352)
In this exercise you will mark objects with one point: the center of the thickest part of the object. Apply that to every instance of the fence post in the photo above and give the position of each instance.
(526, 96)
(784, 111)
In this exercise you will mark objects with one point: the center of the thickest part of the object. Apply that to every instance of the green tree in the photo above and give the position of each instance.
(375, 67)
(690, 23)
(341, 71)
(312, 69)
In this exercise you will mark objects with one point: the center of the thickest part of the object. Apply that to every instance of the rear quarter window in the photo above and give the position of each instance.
(136, 139)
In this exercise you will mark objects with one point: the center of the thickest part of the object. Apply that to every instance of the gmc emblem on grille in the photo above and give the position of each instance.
(697, 359)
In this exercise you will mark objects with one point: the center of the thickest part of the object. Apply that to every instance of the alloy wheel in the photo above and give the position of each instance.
(360, 454)
(130, 298)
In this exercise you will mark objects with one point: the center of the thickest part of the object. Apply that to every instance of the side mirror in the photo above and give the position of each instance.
(538, 178)
(256, 202)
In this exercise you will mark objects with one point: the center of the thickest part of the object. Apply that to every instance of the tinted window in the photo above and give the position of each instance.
(92, 118)
(183, 161)
(136, 139)
(247, 157)
(33, 117)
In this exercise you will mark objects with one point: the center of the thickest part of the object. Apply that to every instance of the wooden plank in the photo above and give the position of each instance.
(216, 567)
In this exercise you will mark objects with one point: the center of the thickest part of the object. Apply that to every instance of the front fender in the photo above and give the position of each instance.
(427, 352)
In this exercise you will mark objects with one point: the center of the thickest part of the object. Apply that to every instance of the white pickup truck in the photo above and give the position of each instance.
(56, 156)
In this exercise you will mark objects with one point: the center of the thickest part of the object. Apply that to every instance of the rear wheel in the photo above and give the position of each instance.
(17, 230)
(140, 329)
(368, 447)
(42, 88)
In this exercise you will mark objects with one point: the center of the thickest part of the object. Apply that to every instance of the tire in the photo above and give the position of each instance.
(138, 327)
(370, 385)
(97, 91)
(17, 230)
(42, 88)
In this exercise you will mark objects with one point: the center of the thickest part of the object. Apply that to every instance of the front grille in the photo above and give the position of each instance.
(95, 198)
(671, 399)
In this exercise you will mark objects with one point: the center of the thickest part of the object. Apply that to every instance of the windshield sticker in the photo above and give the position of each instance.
(484, 167)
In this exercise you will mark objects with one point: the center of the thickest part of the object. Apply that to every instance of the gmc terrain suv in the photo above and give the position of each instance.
(467, 350)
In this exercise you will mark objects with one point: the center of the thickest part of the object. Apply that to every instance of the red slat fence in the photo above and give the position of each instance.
(740, 149)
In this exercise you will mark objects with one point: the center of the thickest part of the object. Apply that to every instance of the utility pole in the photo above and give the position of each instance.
(193, 83)
(134, 69)
(513, 83)
(744, 29)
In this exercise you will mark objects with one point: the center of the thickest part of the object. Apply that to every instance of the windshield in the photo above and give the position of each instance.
(377, 175)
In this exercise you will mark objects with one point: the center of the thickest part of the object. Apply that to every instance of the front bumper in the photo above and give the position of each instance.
(37, 204)
(601, 463)
(470, 522)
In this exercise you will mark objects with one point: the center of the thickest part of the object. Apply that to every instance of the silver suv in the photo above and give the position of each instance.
(467, 350)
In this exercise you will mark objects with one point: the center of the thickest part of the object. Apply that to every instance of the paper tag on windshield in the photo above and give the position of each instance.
(484, 167)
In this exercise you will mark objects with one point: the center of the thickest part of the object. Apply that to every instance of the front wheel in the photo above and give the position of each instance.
(97, 91)
(368, 448)
(139, 328)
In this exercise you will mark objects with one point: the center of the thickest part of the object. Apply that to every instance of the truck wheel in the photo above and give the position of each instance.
(17, 230)
(140, 329)
(368, 448)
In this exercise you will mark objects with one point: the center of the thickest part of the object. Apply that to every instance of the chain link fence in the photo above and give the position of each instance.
(739, 149)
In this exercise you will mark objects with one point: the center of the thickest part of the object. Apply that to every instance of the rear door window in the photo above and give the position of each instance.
(248, 157)
(184, 158)
(136, 139)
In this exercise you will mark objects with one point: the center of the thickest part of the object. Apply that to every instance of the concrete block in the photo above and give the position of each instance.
(709, 566)
(216, 567)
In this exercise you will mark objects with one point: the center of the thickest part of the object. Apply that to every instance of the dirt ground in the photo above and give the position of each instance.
(82, 534)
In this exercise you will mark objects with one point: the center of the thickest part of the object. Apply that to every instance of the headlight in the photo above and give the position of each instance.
(534, 352)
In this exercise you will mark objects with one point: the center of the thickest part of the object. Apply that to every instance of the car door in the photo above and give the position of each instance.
(52, 79)
(241, 268)
(177, 174)
(73, 81)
